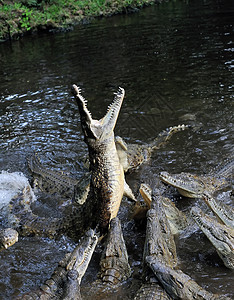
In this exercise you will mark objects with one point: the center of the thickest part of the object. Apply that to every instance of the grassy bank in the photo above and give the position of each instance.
(18, 18)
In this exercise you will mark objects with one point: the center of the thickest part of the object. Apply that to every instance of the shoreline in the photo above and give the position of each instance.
(32, 17)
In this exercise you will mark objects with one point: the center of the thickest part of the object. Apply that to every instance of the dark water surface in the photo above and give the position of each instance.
(176, 64)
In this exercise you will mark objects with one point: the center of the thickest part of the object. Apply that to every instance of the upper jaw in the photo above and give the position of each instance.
(97, 129)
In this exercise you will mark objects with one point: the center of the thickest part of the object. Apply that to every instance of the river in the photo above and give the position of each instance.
(175, 62)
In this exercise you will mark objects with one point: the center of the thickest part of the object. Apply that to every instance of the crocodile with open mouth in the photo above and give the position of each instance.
(64, 283)
(107, 183)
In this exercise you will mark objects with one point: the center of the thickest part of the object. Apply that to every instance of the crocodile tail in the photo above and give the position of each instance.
(165, 135)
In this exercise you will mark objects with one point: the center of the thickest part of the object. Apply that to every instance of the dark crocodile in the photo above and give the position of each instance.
(107, 185)
(64, 283)
(160, 258)
(194, 186)
(56, 182)
(221, 236)
(8, 237)
(50, 180)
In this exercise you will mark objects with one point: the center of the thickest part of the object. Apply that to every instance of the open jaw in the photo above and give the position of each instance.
(97, 129)
(187, 184)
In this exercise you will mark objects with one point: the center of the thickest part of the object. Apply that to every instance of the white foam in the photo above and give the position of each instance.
(11, 184)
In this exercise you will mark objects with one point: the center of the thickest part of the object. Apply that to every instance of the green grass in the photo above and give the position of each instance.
(20, 17)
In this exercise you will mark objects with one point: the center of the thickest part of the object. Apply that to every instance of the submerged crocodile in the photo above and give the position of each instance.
(161, 258)
(64, 283)
(194, 186)
(8, 237)
(221, 236)
(56, 182)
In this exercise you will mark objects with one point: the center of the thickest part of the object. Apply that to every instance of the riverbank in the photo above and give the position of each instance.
(19, 18)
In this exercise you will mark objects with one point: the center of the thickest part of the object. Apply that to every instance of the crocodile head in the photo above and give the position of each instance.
(81, 255)
(188, 185)
(8, 237)
(221, 236)
(103, 128)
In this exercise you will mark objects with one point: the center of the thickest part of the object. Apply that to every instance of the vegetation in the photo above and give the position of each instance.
(30, 16)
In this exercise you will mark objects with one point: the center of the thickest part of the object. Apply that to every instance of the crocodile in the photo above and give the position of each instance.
(114, 266)
(50, 180)
(221, 236)
(178, 284)
(159, 242)
(8, 237)
(107, 184)
(161, 258)
(106, 188)
(193, 186)
(64, 283)
(57, 182)
(176, 219)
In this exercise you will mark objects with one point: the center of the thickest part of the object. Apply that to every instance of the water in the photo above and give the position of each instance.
(175, 62)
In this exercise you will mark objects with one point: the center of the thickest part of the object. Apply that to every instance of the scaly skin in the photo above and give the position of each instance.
(107, 184)
(50, 180)
(133, 155)
(77, 219)
(8, 237)
(223, 211)
(221, 236)
(176, 219)
(194, 186)
(114, 262)
(151, 291)
(178, 284)
(64, 283)
(159, 242)
(160, 257)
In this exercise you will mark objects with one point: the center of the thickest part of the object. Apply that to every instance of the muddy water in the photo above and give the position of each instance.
(175, 62)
